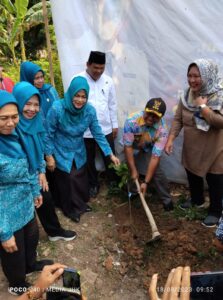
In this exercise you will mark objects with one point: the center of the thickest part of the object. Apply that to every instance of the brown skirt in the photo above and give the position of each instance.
(72, 190)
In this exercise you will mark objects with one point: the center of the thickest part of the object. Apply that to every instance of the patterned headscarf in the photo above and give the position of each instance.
(212, 87)
(211, 82)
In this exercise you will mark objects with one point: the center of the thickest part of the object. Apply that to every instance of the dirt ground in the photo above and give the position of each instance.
(111, 249)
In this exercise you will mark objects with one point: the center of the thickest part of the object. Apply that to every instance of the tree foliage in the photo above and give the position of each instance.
(17, 18)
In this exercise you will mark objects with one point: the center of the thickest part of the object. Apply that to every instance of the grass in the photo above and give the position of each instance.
(191, 213)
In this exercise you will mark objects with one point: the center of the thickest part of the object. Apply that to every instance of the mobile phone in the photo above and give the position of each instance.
(207, 286)
(71, 279)
(68, 286)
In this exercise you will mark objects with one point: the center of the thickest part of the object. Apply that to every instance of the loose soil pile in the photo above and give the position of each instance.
(111, 249)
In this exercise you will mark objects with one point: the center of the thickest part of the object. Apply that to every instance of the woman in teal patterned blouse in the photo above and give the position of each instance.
(18, 191)
(67, 120)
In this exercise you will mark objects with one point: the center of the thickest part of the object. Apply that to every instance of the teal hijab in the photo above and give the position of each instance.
(9, 144)
(28, 71)
(30, 131)
(73, 115)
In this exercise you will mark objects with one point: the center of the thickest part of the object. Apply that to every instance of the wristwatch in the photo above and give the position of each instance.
(201, 106)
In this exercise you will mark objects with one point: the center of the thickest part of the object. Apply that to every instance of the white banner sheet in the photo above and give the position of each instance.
(149, 45)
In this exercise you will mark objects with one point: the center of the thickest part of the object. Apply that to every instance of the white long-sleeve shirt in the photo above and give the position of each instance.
(103, 97)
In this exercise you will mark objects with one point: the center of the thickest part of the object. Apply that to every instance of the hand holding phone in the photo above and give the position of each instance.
(207, 286)
(68, 285)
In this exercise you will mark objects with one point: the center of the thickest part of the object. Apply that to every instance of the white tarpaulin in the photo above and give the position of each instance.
(149, 45)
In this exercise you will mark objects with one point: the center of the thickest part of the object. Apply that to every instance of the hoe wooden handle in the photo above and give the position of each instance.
(155, 232)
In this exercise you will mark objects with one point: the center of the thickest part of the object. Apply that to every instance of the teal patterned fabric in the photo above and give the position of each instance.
(66, 143)
(17, 193)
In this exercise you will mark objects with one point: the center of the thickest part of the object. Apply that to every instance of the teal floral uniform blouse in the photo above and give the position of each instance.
(66, 143)
(17, 192)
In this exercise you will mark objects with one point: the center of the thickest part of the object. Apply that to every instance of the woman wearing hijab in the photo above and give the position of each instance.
(18, 192)
(65, 151)
(30, 127)
(34, 74)
(31, 132)
(200, 113)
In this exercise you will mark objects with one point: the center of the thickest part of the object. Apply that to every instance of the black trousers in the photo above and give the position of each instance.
(91, 145)
(47, 215)
(15, 265)
(72, 189)
(215, 188)
(46, 212)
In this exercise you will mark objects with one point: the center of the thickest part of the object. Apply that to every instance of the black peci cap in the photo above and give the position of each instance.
(97, 58)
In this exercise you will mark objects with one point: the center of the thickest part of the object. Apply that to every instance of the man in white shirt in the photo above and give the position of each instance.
(103, 97)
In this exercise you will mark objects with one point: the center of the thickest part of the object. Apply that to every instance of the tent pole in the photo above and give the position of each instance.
(48, 43)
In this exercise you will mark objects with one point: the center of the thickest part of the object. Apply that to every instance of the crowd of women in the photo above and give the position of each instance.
(37, 130)
(43, 158)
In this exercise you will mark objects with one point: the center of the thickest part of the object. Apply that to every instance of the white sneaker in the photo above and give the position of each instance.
(65, 235)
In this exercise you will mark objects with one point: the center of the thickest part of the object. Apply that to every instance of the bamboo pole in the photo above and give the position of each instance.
(48, 43)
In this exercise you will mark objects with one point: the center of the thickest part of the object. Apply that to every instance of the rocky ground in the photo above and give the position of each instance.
(112, 252)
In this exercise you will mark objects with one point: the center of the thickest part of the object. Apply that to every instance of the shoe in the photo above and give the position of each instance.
(19, 290)
(39, 265)
(210, 221)
(168, 207)
(65, 235)
(88, 209)
(93, 192)
(74, 217)
(188, 204)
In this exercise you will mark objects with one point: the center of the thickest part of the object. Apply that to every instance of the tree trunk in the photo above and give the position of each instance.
(22, 45)
(12, 49)
(46, 23)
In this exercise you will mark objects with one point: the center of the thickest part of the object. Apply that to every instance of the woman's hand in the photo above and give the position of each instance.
(201, 100)
(115, 160)
(177, 286)
(43, 182)
(38, 201)
(10, 245)
(50, 163)
(169, 146)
